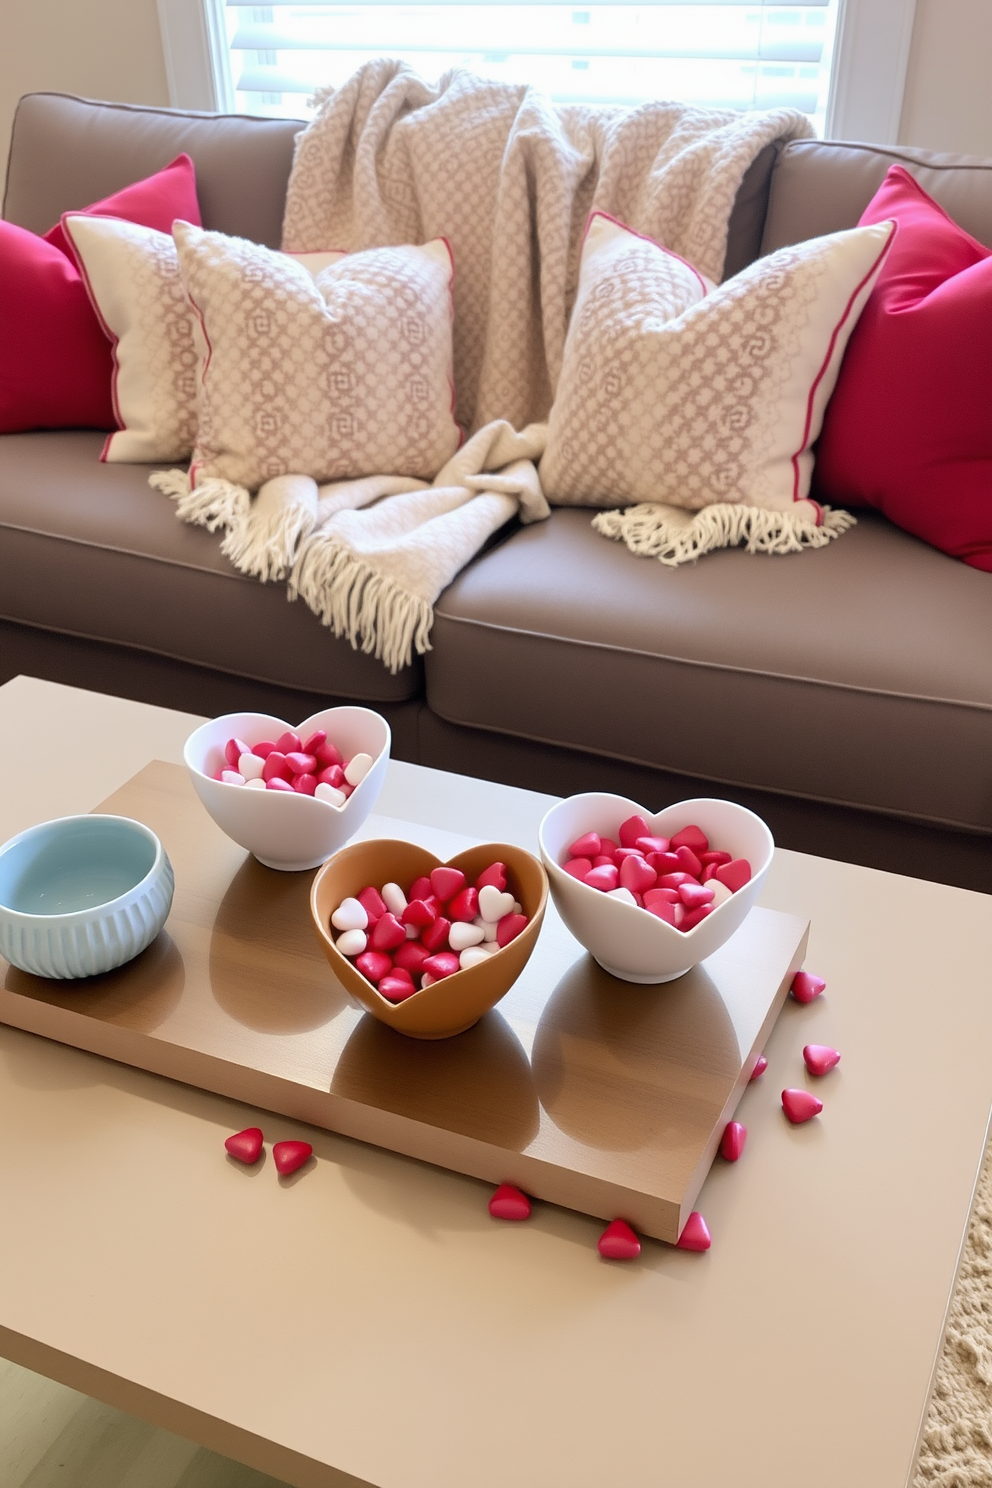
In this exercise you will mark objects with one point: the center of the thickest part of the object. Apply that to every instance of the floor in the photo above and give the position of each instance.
(52, 1437)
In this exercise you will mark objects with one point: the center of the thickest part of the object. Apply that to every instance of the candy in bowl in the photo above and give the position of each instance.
(695, 871)
(291, 796)
(455, 935)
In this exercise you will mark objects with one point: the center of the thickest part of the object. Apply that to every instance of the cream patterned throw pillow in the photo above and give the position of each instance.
(716, 399)
(342, 374)
(132, 276)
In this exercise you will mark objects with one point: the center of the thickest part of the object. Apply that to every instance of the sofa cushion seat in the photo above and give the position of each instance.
(91, 550)
(857, 673)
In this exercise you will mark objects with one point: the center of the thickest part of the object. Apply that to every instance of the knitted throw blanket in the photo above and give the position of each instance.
(509, 180)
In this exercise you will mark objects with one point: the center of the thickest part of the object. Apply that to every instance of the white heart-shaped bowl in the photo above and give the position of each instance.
(629, 942)
(284, 830)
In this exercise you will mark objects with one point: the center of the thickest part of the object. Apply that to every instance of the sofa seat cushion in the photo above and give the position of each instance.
(857, 673)
(92, 550)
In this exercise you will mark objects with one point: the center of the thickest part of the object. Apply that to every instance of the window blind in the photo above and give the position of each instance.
(714, 53)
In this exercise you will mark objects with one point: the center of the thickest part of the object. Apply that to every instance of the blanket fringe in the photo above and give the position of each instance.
(361, 604)
(211, 504)
(265, 545)
(674, 536)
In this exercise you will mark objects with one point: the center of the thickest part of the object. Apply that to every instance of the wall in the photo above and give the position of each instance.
(99, 48)
(948, 99)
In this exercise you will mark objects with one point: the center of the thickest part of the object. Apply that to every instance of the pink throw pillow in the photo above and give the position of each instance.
(909, 428)
(56, 364)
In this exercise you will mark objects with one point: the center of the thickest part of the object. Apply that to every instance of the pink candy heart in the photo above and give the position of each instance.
(631, 829)
(288, 1156)
(618, 1241)
(636, 875)
(800, 1105)
(693, 837)
(820, 1058)
(509, 1203)
(805, 986)
(586, 847)
(246, 1145)
(761, 1064)
(695, 1233)
(735, 875)
(732, 1141)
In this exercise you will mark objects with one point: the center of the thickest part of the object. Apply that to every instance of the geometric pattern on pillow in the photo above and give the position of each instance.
(133, 278)
(344, 374)
(719, 402)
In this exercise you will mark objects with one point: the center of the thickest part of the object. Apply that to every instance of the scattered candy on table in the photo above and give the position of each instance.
(402, 940)
(678, 879)
(761, 1064)
(288, 1156)
(509, 1203)
(820, 1058)
(618, 1242)
(732, 1141)
(695, 1233)
(801, 1105)
(805, 986)
(310, 767)
(246, 1146)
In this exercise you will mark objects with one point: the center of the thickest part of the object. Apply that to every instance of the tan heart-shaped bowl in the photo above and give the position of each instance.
(456, 1002)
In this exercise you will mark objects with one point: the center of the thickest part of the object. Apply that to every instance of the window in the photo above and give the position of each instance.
(841, 61)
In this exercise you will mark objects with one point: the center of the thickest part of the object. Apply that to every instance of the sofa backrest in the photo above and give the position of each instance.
(821, 187)
(66, 152)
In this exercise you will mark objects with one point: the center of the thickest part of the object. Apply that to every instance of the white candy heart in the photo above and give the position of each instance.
(250, 766)
(472, 956)
(462, 935)
(255, 785)
(493, 905)
(720, 891)
(350, 915)
(357, 768)
(394, 897)
(328, 793)
(352, 942)
(623, 894)
(489, 929)
(232, 777)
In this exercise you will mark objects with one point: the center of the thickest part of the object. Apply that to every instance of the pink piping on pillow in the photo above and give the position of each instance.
(644, 239)
(830, 351)
(67, 231)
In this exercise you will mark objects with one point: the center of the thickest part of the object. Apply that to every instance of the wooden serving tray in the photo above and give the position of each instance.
(583, 1090)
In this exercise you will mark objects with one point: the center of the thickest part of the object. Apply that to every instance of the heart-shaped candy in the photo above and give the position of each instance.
(637, 875)
(693, 837)
(462, 935)
(509, 1203)
(618, 1241)
(493, 904)
(288, 1156)
(820, 1058)
(806, 986)
(760, 1065)
(494, 877)
(350, 915)
(695, 1233)
(732, 1141)
(735, 875)
(800, 1105)
(446, 883)
(587, 846)
(246, 1145)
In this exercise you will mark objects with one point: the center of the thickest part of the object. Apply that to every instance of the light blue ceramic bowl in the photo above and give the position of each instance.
(82, 894)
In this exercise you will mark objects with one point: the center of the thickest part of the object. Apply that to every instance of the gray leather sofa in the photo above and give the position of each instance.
(844, 693)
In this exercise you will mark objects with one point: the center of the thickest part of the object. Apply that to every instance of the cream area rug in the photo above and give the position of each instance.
(956, 1451)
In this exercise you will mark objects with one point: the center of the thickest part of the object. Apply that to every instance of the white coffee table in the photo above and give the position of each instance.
(370, 1324)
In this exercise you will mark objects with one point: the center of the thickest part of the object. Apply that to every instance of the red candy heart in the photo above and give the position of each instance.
(693, 837)
(693, 895)
(688, 861)
(332, 775)
(735, 875)
(289, 742)
(820, 1058)
(315, 740)
(607, 847)
(246, 1145)
(277, 783)
(418, 913)
(495, 875)
(664, 909)
(732, 1141)
(387, 933)
(509, 927)
(636, 875)
(305, 784)
(693, 916)
(288, 1156)
(695, 1233)
(420, 889)
(716, 858)
(395, 988)
(651, 844)
(444, 964)
(411, 957)
(275, 767)
(631, 829)
(577, 867)
(374, 965)
(805, 986)
(508, 1202)
(464, 906)
(436, 935)
(586, 847)
(664, 862)
(800, 1105)
(263, 749)
(373, 903)
(446, 883)
(761, 1064)
(300, 763)
(605, 878)
(618, 1241)
(233, 750)
(327, 754)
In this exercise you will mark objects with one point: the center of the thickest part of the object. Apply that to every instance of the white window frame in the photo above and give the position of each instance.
(871, 55)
